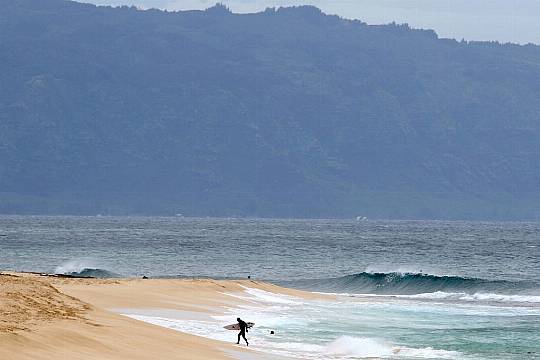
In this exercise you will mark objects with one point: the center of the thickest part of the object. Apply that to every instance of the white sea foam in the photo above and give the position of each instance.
(358, 347)
(426, 353)
(440, 295)
(293, 319)
(456, 296)
(349, 346)
(403, 270)
(342, 347)
(268, 297)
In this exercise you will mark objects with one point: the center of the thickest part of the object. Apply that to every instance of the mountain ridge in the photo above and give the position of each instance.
(284, 113)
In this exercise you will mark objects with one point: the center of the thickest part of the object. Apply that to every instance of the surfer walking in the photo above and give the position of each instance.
(243, 329)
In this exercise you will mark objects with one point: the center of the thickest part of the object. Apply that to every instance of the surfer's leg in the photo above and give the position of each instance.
(244, 336)
(240, 333)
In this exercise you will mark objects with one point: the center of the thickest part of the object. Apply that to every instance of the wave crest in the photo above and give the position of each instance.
(394, 283)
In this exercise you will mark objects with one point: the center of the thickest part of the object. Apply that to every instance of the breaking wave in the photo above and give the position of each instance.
(83, 268)
(394, 283)
(349, 346)
(93, 273)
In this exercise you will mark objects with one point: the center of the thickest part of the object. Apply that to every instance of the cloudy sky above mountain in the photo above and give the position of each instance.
(500, 20)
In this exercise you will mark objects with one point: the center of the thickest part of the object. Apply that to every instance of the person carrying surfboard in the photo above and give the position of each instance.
(243, 329)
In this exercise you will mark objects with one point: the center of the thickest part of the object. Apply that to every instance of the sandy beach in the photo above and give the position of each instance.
(45, 317)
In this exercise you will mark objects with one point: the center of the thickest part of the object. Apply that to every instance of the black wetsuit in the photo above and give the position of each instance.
(243, 329)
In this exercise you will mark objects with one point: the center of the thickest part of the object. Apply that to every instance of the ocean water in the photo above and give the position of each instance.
(405, 289)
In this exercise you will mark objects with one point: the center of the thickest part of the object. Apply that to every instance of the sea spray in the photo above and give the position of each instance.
(84, 268)
(75, 266)
(358, 347)
(349, 346)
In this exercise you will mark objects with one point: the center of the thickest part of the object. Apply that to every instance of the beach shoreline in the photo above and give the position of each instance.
(49, 317)
(44, 316)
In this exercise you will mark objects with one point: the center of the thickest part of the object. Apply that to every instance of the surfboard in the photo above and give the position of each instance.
(237, 327)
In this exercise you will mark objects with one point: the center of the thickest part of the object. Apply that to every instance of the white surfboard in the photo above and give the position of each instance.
(237, 327)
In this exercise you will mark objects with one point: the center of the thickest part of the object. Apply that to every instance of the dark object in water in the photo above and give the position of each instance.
(70, 276)
(145, 277)
(271, 332)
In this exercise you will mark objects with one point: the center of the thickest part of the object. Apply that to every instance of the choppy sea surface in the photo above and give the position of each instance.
(406, 289)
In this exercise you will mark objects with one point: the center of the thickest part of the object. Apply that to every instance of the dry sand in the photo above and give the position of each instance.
(43, 317)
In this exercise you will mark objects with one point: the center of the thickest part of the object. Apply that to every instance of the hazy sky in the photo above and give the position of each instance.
(502, 20)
